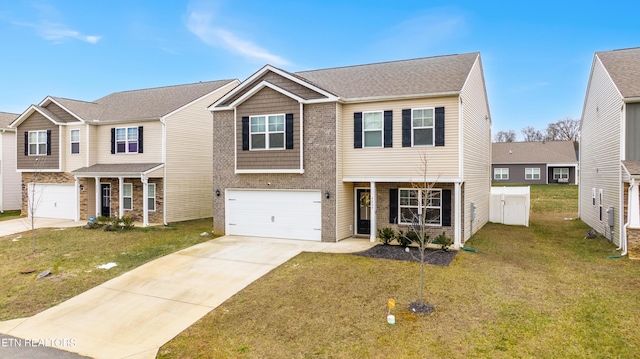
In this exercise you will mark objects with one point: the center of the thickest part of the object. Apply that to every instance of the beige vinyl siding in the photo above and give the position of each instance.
(93, 145)
(476, 150)
(189, 160)
(70, 161)
(11, 180)
(152, 144)
(401, 162)
(600, 150)
(37, 122)
(344, 191)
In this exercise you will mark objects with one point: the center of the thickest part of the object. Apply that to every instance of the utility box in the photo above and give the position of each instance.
(510, 205)
(610, 212)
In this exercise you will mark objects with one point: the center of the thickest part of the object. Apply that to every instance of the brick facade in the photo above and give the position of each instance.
(319, 157)
(633, 243)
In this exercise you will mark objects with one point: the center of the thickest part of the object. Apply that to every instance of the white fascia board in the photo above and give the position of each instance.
(259, 87)
(39, 170)
(61, 106)
(106, 123)
(403, 179)
(562, 165)
(28, 113)
(153, 169)
(301, 82)
(395, 98)
(293, 171)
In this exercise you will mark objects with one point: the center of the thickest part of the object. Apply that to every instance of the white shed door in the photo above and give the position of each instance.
(274, 213)
(51, 200)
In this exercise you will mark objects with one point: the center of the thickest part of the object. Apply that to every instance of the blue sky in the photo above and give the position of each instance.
(536, 54)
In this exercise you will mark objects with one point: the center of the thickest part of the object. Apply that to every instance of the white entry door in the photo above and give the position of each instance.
(274, 213)
(51, 200)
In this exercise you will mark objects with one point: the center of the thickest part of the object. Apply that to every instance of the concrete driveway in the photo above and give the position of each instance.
(18, 225)
(131, 316)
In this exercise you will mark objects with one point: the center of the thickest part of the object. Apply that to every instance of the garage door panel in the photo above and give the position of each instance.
(269, 213)
(52, 200)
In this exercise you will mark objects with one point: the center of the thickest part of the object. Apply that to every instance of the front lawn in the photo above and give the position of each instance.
(543, 291)
(72, 255)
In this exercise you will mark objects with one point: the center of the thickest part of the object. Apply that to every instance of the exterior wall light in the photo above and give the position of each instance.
(327, 194)
(217, 192)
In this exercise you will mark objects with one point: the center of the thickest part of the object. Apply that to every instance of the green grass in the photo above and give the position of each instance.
(73, 254)
(9, 215)
(538, 292)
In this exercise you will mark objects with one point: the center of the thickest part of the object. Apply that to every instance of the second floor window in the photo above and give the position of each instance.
(75, 141)
(372, 126)
(127, 140)
(37, 143)
(422, 126)
(267, 132)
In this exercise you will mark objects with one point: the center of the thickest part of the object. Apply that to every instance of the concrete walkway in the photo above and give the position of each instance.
(131, 316)
(18, 225)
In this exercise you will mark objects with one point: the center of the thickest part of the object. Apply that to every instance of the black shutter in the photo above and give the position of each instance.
(140, 139)
(26, 146)
(357, 130)
(446, 208)
(388, 129)
(288, 130)
(245, 133)
(113, 141)
(406, 128)
(48, 142)
(393, 205)
(439, 126)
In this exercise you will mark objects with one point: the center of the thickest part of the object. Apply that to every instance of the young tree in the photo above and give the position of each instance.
(505, 136)
(34, 196)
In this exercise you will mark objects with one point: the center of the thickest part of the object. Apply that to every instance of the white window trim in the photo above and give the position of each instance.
(533, 174)
(381, 130)
(127, 141)
(432, 127)
(421, 192)
(593, 196)
(71, 141)
(560, 173)
(267, 145)
(123, 196)
(152, 185)
(37, 143)
(500, 172)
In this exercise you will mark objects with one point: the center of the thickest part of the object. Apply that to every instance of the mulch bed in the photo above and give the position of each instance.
(432, 256)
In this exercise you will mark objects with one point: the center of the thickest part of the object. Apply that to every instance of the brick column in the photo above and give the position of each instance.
(633, 243)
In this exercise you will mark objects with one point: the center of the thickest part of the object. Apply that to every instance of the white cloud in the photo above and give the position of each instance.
(201, 25)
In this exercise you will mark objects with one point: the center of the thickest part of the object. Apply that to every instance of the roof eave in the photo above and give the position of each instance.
(398, 97)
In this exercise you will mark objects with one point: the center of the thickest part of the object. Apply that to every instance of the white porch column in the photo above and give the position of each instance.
(373, 203)
(457, 237)
(98, 198)
(634, 205)
(145, 201)
(77, 199)
(120, 198)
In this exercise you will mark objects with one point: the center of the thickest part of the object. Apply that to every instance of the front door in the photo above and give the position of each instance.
(106, 199)
(364, 211)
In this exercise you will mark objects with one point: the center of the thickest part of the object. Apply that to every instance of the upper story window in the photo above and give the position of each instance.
(415, 203)
(127, 140)
(501, 173)
(267, 132)
(532, 173)
(422, 127)
(74, 136)
(37, 143)
(372, 127)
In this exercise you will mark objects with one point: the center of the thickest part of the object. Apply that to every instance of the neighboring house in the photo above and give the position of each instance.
(610, 149)
(144, 154)
(10, 196)
(534, 162)
(335, 153)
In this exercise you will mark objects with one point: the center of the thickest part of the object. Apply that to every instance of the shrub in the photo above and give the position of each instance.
(405, 239)
(119, 224)
(386, 235)
(127, 223)
(444, 241)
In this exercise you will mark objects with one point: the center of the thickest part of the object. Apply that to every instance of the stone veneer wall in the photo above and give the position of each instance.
(319, 159)
(633, 243)
(382, 213)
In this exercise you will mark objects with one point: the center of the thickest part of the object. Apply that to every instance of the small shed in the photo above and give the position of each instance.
(510, 205)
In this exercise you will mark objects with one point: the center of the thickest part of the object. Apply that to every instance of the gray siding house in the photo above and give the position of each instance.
(610, 150)
(534, 162)
(10, 192)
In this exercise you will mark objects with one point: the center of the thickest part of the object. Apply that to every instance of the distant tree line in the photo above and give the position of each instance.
(566, 129)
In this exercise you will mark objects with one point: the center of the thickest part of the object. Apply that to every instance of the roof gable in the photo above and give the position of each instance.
(6, 118)
(533, 152)
(624, 68)
(41, 110)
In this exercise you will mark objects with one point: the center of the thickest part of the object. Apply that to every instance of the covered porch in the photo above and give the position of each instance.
(631, 243)
(118, 190)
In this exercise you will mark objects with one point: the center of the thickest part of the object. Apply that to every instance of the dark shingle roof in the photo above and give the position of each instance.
(6, 118)
(624, 68)
(533, 152)
(633, 167)
(430, 75)
(133, 168)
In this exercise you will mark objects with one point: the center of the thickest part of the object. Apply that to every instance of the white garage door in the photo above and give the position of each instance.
(273, 213)
(51, 200)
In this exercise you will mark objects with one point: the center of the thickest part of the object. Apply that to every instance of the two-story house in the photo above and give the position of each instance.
(144, 154)
(10, 197)
(340, 152)
(610, 151)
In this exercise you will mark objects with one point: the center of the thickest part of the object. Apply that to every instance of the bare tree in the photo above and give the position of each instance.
(34, 197)
(568, 129)
(505, 136)
(531, 134)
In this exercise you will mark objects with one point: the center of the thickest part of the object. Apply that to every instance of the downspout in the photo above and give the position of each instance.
(164, 171)
(623, 236)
